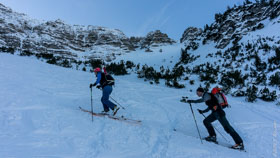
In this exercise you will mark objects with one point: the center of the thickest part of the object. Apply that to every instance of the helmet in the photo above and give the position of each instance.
(97, 69)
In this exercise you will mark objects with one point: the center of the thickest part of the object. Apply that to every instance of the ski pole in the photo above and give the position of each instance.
(216, 129)
(91, 103)
(195, 123)
(117, 102)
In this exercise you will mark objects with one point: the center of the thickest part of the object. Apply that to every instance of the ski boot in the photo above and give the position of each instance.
(238, 146)
(105, 112)
(211, 139)
(115, 110)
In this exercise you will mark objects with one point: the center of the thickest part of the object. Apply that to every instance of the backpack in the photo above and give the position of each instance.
(222, 100)
(109, 79)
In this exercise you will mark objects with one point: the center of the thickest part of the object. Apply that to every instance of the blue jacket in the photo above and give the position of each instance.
(98, 77)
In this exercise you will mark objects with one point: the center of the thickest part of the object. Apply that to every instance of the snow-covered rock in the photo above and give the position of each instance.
(21, 33)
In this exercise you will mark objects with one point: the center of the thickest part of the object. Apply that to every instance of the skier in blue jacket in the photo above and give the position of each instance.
(107, 89)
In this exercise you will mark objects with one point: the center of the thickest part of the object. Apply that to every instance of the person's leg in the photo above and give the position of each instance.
(207, 123)
(228, 128)
(107, 90)
(105, 107)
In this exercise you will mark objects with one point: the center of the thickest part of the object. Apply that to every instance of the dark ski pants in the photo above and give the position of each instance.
(106, 91)
(220, 116)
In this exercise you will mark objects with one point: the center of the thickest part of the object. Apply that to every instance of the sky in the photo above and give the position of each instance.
(133, 17)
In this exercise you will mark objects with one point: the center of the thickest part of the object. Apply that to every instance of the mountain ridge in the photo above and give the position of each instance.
(56, 37)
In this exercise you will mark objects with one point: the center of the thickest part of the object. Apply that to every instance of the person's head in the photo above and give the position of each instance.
(199, 91)
(96, 70)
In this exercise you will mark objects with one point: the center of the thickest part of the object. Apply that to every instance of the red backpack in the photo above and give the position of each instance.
(222, 100)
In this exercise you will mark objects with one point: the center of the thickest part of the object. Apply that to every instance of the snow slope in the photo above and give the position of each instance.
(39, 117)
(166, 56)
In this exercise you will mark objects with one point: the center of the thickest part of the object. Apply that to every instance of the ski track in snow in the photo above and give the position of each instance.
(39, 117)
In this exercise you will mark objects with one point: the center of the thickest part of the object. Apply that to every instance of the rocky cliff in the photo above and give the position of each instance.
(234, 23)
(19, 32)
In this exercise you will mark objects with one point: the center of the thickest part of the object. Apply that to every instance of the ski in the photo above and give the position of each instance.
(216, 142)
(122, 118)
(230, 147)
(227, 146)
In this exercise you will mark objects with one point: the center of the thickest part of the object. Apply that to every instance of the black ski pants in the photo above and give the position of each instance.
(221, 117)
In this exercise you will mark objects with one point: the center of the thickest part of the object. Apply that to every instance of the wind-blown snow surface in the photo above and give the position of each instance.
(39, 117)
(169, 56)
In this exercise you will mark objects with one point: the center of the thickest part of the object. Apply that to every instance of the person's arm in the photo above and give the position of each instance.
(206, 110)
(203, 111)
(197, 101)
(98, 78)
(204, 98)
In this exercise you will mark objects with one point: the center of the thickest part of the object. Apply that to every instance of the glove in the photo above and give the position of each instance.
(184, 99)
(190, 101)
(92, 85)
(98, 86)
(200, 111)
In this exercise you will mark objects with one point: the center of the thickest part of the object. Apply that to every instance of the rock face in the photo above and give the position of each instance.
(234, 23)
(21, 33)
(156, 38)
(191, 34)
(239, 52)
(190, 37)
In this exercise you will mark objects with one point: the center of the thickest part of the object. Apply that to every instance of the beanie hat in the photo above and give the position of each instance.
(97, 69)
(200, 89)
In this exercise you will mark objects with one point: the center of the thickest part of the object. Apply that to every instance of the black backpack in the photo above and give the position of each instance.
(109, 80)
